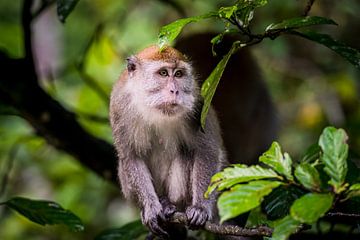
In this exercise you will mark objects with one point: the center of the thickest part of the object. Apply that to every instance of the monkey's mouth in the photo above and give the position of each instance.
(169, 108)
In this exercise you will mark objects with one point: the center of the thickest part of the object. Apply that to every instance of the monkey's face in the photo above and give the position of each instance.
(169, 87)
(166, 89)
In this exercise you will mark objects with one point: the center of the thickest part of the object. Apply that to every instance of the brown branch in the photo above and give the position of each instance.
(308, 7)
(19, 89)
(344, 215)
(215, 228)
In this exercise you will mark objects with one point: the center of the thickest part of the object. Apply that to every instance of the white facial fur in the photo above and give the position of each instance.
(160, 97)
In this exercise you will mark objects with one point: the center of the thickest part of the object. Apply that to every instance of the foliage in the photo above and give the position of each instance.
(45, 212)
(78, 188)
(241, 190)
(240, 15)
(131, 230)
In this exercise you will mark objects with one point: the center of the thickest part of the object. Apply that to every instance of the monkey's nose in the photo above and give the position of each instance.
(176, 92)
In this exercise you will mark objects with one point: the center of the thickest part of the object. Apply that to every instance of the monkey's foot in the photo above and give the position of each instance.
(153, 218)
(168, 208)
(196, 216)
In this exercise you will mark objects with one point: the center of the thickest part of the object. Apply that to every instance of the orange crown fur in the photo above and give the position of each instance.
(167, 54)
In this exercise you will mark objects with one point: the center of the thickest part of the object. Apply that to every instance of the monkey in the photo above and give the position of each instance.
(166, 159)
(247, 119)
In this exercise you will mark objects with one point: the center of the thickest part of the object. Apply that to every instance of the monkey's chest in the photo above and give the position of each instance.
(170, 172)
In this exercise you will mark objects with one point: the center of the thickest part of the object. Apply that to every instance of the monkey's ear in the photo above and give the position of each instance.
(132, 63)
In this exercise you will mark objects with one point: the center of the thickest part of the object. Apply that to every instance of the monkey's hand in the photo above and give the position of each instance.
(152, 216)
(168, 208)
(197, 216)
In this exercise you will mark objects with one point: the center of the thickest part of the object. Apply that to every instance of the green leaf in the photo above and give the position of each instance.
(311, 154)
(64, 8)
(131, 230)
(45, 212)
(227, 12)
(334, 155)
(276, 160)
(277, 204)
(299, 22)
(308, 176)
(238, 173)
(257, 218)
(350, 54)
(354, 191)
(245, 10)
(209, 86)
(284, 228)
(244, 197)
(310, 207)
(169, 32)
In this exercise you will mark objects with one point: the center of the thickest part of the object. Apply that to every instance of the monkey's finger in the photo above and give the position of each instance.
(169, 211)
(200, 219)
(156, 229)
(190, 214)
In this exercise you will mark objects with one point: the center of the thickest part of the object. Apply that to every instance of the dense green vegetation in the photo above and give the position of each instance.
(79, 51)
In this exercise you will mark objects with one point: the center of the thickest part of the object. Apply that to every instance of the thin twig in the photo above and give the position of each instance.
(91, 82)
(308, 7)
(340, 214)
(8, 165)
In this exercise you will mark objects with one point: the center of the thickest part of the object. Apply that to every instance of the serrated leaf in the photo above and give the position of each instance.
(310, 207)
(284, 228)
(227, 12)
(131, 230)
(276, 160)
(334, 155)
(354, 191)
(238, 173)
(169, 32)
(244, 197)
(299, 22)
(64, 8)
(308, 176)
(352, 55)
(277, 204)
(209, 86)
(45, 212)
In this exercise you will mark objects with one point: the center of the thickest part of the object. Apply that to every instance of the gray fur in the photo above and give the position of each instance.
(164, 156)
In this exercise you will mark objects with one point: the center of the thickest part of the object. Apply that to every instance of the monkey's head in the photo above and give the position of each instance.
(161, 83)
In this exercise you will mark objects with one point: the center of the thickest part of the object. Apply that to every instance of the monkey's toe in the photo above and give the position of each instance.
(197, 217)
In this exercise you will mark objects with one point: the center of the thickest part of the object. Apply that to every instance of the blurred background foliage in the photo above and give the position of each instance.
(80, 60)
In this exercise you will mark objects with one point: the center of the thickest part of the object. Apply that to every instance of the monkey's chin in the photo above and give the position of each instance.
(170, 109)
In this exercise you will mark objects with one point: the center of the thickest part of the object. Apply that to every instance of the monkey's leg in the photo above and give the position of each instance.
(136, 181)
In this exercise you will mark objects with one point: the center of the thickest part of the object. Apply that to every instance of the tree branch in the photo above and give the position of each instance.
(235, 230)
(308, 7)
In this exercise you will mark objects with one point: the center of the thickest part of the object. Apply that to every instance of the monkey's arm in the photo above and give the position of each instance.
(209, 159)
(137, 184)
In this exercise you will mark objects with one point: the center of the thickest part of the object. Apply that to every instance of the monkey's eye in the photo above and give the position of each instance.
(163, 73)
(178, 73)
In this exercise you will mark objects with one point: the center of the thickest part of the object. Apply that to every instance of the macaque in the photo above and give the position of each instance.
(165, 159)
